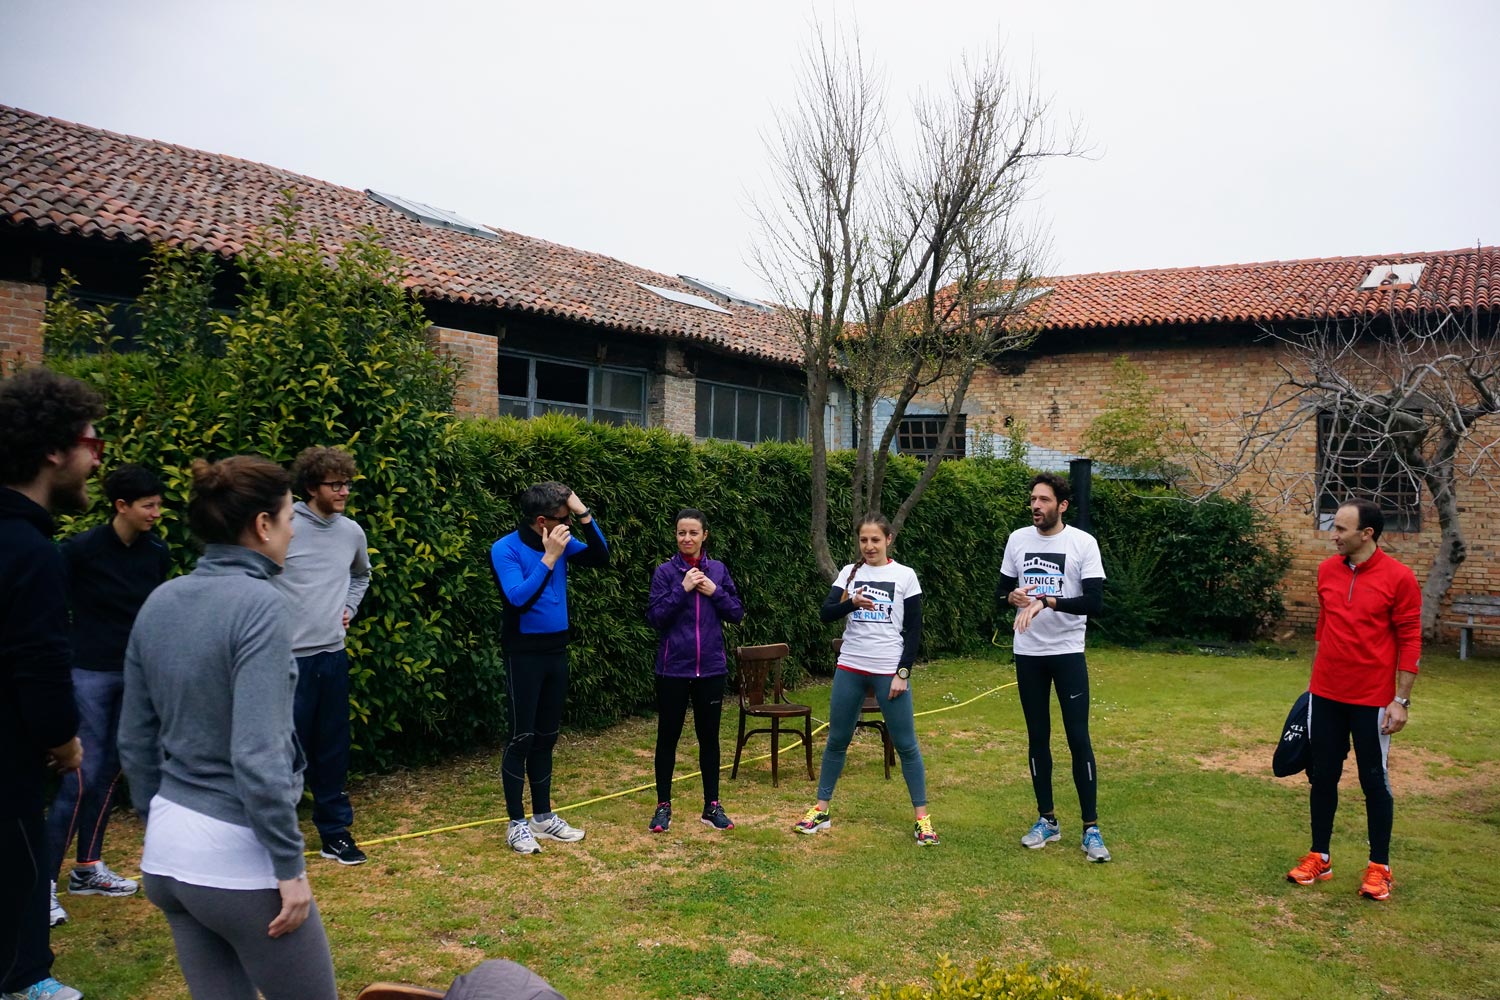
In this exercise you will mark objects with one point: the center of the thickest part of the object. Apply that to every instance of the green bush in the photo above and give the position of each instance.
(312, 354)
(987, 981)
(1215, 564)
(335, 353)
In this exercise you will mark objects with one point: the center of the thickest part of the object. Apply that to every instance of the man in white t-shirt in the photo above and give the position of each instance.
(1053, 576)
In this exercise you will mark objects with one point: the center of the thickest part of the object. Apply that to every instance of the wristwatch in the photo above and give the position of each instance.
(1403, 702)
(903, 672)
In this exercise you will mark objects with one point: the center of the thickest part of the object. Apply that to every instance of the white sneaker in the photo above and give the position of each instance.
(521, 841)
(98, 880)
(47, 989)
(59, 915)
(1042, 833)
(555, 827)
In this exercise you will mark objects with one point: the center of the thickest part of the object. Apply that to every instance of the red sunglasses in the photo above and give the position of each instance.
(94, 444)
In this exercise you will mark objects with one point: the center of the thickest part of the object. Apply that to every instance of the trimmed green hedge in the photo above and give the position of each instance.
(337, 356)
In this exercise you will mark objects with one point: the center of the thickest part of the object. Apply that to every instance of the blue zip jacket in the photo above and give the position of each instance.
(691, 625)
(536, 598)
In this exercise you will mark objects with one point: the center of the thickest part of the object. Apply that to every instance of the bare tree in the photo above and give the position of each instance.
(901, 268)
(1403, 401)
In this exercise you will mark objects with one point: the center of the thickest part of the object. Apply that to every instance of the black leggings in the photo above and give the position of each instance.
(1035, 676)
(535, 686)
(672, 697)
(1334, 723)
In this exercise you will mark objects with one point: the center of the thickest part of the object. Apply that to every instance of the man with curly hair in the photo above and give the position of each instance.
(48, 450)
(327, 573)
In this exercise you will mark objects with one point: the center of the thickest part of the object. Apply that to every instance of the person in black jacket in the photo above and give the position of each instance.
(112, 569)
(48, 450)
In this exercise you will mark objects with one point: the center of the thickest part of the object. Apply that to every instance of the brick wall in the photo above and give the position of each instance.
(477, 393)
(672, 395)
(22, 306)
(1209, 388)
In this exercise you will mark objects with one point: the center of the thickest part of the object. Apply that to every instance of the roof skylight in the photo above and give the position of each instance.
(1392, 276)
(685, 298)
(724, 293)
(428, 215)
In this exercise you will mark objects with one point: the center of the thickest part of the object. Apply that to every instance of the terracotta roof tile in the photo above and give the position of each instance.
(1281, 290)
(73, 179)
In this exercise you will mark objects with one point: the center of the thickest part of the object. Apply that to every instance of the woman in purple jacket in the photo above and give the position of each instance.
(691, 597)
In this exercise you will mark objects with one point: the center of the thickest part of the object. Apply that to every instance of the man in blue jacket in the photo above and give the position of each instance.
(48, 450)
(531, 567)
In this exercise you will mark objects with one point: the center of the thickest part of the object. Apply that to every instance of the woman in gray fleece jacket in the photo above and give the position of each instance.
(206, 741)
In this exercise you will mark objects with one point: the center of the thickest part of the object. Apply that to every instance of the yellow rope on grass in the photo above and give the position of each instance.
(396, 838)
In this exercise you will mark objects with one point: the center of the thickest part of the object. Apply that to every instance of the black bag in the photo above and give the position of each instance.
(1294, 750)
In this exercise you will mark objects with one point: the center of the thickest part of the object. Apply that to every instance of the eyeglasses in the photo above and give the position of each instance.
(339, 485)
(95, 445)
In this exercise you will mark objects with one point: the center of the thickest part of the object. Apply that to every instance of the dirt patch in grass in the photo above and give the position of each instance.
(1413, 770)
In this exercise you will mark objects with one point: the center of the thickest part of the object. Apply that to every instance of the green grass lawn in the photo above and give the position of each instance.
(1195, 902)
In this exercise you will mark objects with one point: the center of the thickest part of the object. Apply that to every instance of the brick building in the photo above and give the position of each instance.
(1202, 334)
(540, 327)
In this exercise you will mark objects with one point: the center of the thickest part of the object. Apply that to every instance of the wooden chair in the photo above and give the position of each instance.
(398, 991)
(871, 707)
(760, 668)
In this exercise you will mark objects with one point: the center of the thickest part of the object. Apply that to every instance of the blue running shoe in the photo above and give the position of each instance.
(1043, 832)
(1093, 845)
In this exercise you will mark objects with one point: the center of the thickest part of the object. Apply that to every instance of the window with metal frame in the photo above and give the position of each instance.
(530, 385)
(918, 435)
(1355, 461)
(736, 413)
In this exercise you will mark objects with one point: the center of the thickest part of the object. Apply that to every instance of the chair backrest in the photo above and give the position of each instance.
(398, 991)
(758, 666)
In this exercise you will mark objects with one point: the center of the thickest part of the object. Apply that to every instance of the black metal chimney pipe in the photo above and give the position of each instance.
(1080, 478)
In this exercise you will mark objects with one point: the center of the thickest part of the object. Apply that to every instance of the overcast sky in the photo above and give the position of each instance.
(1224, 132)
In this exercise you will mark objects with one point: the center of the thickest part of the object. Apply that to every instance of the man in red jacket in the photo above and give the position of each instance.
(1369, 643)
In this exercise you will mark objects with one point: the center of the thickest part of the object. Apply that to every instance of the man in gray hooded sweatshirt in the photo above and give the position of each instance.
(327, 574)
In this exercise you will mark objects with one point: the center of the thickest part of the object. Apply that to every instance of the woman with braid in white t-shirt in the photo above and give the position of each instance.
(883, 603)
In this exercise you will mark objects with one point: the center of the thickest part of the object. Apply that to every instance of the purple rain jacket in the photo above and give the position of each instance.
(691, 625)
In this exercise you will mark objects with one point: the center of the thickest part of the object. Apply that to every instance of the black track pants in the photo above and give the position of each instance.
(1035, 676)
(673, 695)
(1334, 725)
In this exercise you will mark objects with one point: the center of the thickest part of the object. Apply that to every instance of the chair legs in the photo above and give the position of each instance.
(775, 732)
(807, 746)
(739, 745)
(775, 751)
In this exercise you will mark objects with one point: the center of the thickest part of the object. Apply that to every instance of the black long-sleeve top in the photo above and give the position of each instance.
(108, 581)
(37, 711)
(835, 607)
(1090, 602)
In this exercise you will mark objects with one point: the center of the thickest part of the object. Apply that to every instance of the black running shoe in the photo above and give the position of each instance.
(713, 815)
(662, 818)
(341, 848)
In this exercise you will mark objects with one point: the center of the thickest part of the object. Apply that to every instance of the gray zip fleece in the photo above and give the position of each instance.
(207, 714)
(327, 570)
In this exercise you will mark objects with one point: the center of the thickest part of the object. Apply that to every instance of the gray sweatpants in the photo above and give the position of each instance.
(225, 952)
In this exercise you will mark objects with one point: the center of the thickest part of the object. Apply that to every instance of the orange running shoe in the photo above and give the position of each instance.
(1310, 869)
(1377, 882)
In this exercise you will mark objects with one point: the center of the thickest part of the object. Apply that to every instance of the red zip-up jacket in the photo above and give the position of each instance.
(1369, 626)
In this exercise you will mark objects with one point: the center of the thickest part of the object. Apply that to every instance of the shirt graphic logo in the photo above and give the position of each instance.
(1044, 571)
(883, 593)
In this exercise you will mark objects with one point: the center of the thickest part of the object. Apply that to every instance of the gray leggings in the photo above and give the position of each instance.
(844, 704)
(225, 952)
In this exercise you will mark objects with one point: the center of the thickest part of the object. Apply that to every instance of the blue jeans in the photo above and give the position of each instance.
(85, 796)
(843, 712)
(320, 712)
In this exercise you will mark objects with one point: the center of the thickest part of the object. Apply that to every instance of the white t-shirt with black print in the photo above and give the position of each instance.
(872, 639)
(1057, 564)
